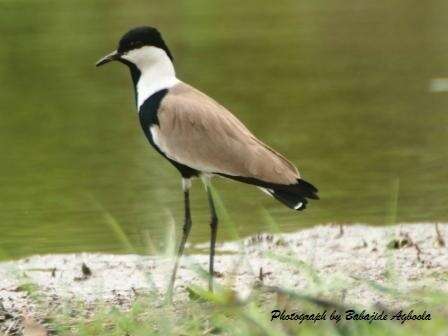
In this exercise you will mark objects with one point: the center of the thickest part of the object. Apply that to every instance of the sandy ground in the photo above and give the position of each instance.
(347, 266)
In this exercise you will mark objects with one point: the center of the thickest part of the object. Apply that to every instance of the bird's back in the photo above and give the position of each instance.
(198, 132)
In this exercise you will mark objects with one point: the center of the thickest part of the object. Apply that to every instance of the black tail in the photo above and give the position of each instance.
(293, 196)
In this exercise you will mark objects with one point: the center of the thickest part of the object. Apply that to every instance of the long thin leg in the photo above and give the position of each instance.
(214, 230)
(186, 183)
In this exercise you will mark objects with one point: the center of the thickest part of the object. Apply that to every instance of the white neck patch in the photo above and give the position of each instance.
(157, 71)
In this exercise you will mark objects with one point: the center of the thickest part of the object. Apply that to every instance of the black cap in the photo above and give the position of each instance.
(140, 37)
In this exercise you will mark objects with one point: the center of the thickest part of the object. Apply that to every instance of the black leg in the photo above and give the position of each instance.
(214, 229)
(185, 232)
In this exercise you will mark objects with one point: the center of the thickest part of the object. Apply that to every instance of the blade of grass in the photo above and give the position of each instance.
(170, 235)
(115, 226)
(224, 216)
(272, 223)
(299, 264)
(393, 202)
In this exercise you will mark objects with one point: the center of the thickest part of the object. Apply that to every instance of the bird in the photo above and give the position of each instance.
(199, 136)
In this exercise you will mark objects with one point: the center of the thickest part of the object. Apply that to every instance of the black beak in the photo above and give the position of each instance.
(113, 56)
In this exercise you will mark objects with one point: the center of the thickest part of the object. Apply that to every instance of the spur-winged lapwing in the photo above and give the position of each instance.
(198, 136)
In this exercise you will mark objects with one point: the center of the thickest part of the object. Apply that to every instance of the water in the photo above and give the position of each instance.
(341, 88)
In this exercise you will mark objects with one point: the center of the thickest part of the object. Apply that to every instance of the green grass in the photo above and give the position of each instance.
(224, 312)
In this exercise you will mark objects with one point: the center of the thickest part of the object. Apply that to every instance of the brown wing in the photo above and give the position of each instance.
(198, 132)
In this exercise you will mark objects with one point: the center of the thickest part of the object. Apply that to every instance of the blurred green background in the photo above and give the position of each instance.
(344, 88)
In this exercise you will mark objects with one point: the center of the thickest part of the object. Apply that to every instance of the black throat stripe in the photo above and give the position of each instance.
(148, 117)
(148, 111)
